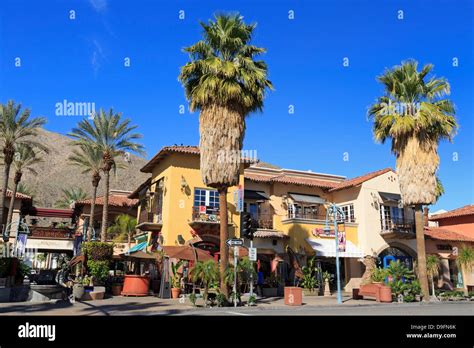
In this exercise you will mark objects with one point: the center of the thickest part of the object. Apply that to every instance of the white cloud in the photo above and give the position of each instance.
(99, 5)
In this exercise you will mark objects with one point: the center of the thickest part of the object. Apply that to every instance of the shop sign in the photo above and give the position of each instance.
(253, 254)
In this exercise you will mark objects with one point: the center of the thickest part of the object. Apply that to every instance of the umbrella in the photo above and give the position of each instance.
(140, 255)
(186, 252)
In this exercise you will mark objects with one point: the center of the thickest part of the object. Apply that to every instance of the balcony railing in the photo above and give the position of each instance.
(306, 216)
(150, 217)
(263, 222)
(398, 225)
(206, 214)
(51, 233)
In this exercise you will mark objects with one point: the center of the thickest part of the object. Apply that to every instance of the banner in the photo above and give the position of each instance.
(342, 240)
(21, 241)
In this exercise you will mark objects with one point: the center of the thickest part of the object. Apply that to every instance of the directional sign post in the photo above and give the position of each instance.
(234, 242)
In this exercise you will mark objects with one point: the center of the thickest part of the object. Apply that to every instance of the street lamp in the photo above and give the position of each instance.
(336, 212)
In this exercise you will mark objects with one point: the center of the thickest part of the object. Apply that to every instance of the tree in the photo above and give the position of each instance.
(89, 158)
(432, 269)
(206, 272)
(124, 228)
(414, 115)
(439, 188)
(112, 136)
(16, 127)
(465, 261)
(25, 189)
(25, 157)
(70, 196)
(225, 83)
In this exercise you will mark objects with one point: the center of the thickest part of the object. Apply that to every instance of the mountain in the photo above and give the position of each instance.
(56, 174)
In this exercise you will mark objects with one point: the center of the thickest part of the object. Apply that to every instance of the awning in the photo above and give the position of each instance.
(139, 246)
(140, 255)
(390, 197)
(257, 195)
(309, 199)
(327, 248)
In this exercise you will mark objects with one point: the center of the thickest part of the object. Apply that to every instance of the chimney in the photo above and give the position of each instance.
(425, 216)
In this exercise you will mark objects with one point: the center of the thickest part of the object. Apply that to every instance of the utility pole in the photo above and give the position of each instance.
(236, 258)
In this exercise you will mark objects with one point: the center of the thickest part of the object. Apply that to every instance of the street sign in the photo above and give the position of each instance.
(253, 254)
(234, 242)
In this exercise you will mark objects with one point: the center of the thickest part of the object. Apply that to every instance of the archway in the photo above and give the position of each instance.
(396, 251)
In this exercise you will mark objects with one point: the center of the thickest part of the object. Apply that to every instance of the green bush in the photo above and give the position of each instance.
(193, 298)
(378, 275)
(98, 269)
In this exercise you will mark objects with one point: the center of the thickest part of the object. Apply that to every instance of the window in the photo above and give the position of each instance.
(302, 211)
(348, 210)
(208, 198)
(391, 216)
(445, 247)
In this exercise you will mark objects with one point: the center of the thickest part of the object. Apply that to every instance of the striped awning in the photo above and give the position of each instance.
(139, 246)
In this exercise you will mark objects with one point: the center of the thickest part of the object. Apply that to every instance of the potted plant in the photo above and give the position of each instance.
(175, 279)
(309, 282)
(117, 285)
(271, 288)
(327, 277)
(378, 275)
(206, 273)
(78, 290)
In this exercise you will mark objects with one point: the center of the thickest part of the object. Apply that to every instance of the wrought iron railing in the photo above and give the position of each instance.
(205, 214)
(398, 225)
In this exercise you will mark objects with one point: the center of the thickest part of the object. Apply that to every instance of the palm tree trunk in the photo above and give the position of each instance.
(105, 211)
(92, 212)
(224, 235)
(12, 202)
(6, 175)
(420, 246)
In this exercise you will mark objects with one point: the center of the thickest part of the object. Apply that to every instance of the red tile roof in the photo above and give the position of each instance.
(466, 210)
(114, 200)
(147, 168)
(443, 233)
(188, 149)
(18, 195)
(360, 179)
(290, 179)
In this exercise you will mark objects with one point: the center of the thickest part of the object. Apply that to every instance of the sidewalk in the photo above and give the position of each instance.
(152, 306)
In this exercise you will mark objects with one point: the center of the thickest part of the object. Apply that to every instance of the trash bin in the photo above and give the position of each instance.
(293, 296)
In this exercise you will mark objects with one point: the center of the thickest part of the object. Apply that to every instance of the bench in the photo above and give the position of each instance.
(381, 292)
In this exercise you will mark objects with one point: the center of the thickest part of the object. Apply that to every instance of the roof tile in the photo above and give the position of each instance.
(466, 210)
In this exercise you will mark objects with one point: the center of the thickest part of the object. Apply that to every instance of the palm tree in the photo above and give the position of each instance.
(414, 115)
(89, 158)
(465, 261)
(16, 127)
(439, 188)
(70, 196)
(25, 189)
(225, 83)
(432, 268)
(205, 272)
(112, 136)
(124, 228)
(25, 157)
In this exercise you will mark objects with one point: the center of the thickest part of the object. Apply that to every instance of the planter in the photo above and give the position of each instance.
(135, 285)
(310, 292)
(116, 289)
(293, 296)
(78, 291)
(270, 292)
(175, 292)
(327, 290)
(97, 295)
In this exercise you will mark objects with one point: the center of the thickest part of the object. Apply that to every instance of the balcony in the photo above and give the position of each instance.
(398, 228)
(205, 215)
(51, 233)
(148, 221)
(293, 216)
(264, 222)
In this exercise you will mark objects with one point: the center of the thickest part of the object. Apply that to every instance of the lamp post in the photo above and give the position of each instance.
(336, 212)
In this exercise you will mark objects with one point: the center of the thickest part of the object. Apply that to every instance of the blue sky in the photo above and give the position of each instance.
(82, 60)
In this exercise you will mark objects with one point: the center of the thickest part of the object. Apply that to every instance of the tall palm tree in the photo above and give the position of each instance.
(25, 189)
(112, 136)
(124, 228)
(225, 82)
(89, 158)
(465, 261)
(415, 116)
(439, 188)
(16, 127)
(25, 157)
(70, 196)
